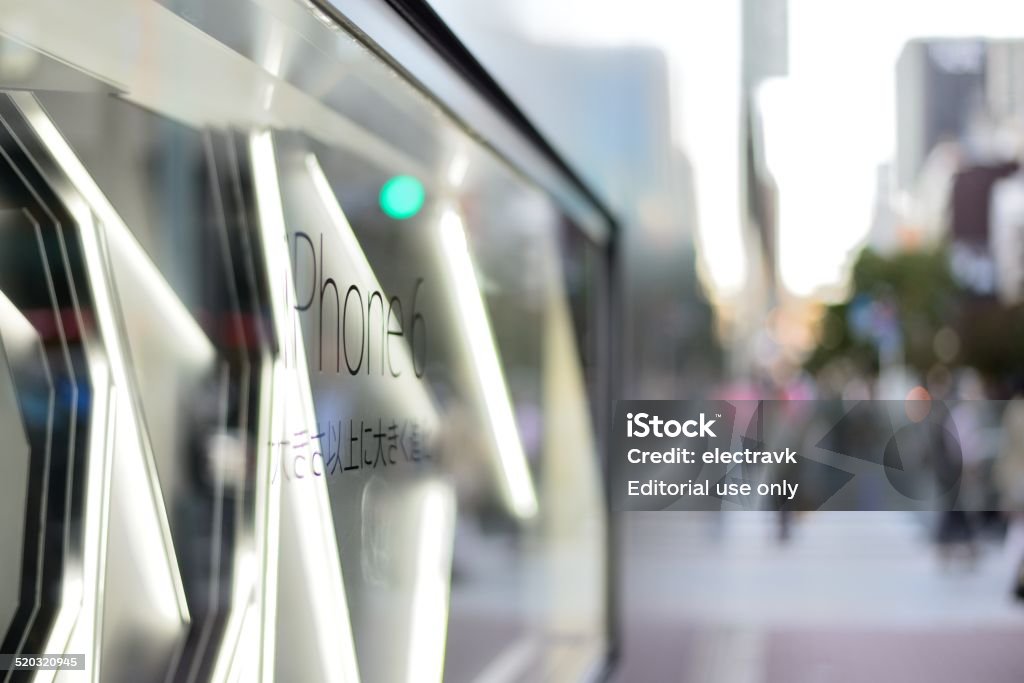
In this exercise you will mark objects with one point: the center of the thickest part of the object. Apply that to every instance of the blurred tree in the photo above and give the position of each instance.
(898, 303)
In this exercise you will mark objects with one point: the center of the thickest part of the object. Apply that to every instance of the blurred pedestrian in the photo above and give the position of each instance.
(1010, 480)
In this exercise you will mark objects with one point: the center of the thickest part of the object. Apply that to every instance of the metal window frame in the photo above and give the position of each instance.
(413, 40)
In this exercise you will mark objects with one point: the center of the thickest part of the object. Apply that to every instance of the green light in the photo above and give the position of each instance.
(402, 197)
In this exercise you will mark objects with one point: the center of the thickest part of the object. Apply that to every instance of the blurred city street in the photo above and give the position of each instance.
(850, 597)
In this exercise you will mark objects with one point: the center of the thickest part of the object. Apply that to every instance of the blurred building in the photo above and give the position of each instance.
(765, 55)
(960, 109)
(940, 84)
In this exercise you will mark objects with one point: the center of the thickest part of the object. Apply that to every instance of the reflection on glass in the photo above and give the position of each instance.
(518, 487)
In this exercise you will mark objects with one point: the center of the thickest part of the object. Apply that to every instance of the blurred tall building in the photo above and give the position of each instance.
(765, 55)
(963, 100)
(1005, 91)
(940, 84)
(1005, 79)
